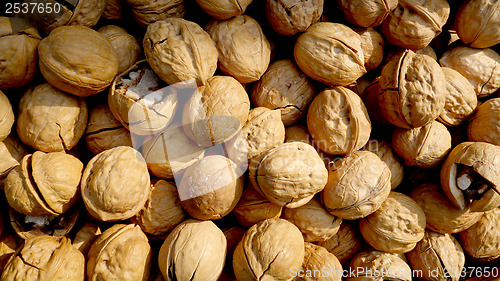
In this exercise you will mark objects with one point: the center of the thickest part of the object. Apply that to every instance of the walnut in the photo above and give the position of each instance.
(367, 12)
(126, 46)
(291, 17)
(477, 23)
(253, 208)
(224, 9)
(387, 265)
(149, 12)
(12, 152)
(372, 44)
(6, 116)
(345, 244)
(384, 150)
(485, 123)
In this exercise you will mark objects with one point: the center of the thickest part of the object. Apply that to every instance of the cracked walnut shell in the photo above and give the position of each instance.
(293, 16)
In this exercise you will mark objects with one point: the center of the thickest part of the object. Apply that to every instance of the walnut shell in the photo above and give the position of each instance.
(46, 258)
(170, 152)
(9, 244)
(126, 46)
(209, 121)
(104, 132)
(87, 12)
(6, 116)
(149, 12)
(318, 260)
(44, 184)
(253, 208)
(224, 9)
(315, 223)
(413, 90)
(442, 216)
(387, 265)
(385, 152)
(122, 252)
(211, 187)
(480, 241)
(367, 12)
(470, 173)
(291, 17)
(268, 250)
(371, 100)
(338, 121)
(86, 236)
(289, 174)
(477, 23)
(396, 226)
(330, 53)
(425, 146)
(169, 43)
(485, 123)
(372, 44)
(11, 152)
(113, 10)
(243, 49)
(18, 59)
(286, 88)
(439, 253)
(77, 47)
(139, 100)
(413, 24)
(480, 66)
(299, 133)
(357, 185)
(115, 184)
(460, 101)
(54, 126)
(194, 250)
(345, 244)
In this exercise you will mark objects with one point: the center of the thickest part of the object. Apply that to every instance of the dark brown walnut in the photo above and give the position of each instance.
(357, 185)
(147, 12)
(268, 251)
(122, 252)
(6, 116)
(179, 50)
(18, 59)
(50, 120)
(338, 121)
(442, 216)
(396, 226)
(86, 236)
(28, 227)
(372, 44)
(113, 10)
(289, 174)
(244, 51)
(480, 241)
(12, 152)
(286, 88)
(480, 66)
(104, 132)
(438, 257)
(77, 47)
(115, 184)
(45, 258)
(216, 112)
(330, 53)
(470, 176)
(477, 23)
(345, 244)
(319, 264)
(142, 102)
(126, 46)
(413, 90)
(315, 223)
(253, 208)
(224, 9)
(367, 12)
(461, 100)
(485, 123)
(385, 152)
(211, 187)
(425, 146)
(162, 211)
(194, 250)
(388, 266)
(9, 243)
(293, 16)
(44, 184)
(170, 152)
(414, 23)
(370, 98)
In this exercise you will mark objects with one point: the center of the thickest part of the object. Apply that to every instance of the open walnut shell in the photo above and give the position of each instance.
(291, 17)
(122, 252)
(142, 102)
(470, 176)
(485, 123)
(12, 152)
(29, 226)
(194, 250)
(413, 90)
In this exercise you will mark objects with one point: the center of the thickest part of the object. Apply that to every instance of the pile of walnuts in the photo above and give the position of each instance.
(209, 140)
